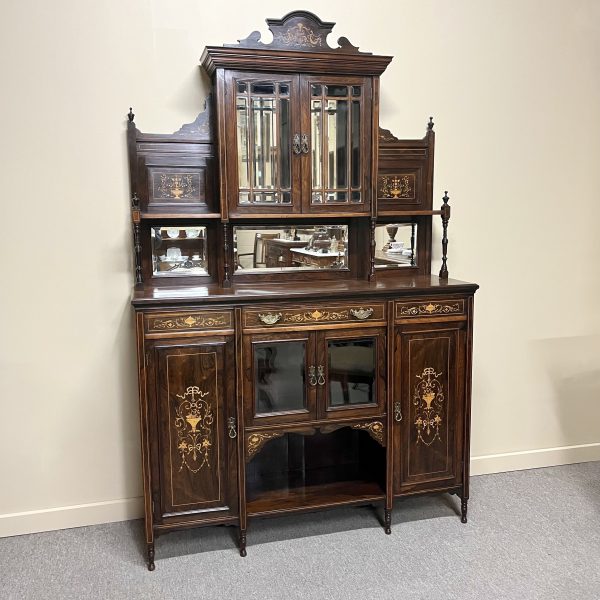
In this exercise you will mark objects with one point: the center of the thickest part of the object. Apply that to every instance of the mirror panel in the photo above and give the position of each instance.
(395, 245)
(268, 248)
(178, 251)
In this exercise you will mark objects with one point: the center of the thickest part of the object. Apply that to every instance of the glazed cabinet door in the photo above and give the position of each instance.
(280, 378)
(336, 119)
(351, 372)
(196, 428)
(263, 143)
(428, 405)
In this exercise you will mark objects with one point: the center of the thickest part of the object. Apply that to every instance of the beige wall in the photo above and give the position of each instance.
(514, 87)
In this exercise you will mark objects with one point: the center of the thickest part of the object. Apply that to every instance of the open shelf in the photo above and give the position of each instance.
(297, 472)
(315, 496)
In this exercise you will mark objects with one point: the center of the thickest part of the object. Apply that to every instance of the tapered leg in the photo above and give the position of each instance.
(463, 509)
(151, 566)
(387, 521)
(242, 542)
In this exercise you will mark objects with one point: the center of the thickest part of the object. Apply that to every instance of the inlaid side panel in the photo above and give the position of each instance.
(193, 442)
(430, 389)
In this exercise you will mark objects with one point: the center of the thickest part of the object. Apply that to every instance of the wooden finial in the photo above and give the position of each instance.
(430, 124)
(130, 115)
(445, 218)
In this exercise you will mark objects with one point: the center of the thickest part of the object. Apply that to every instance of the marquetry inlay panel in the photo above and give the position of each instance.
(188, 321)
(429, 308)
(176, 186)
(277, 316)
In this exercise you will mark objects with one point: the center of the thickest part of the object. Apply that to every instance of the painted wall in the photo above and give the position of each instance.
(514, 87)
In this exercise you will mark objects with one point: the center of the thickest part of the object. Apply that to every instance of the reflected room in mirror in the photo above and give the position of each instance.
(178, 251)
(395, 245)
(289, 248)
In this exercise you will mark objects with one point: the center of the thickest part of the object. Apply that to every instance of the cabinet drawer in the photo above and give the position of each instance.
(197, 320)
(315, 314)
(430, 308)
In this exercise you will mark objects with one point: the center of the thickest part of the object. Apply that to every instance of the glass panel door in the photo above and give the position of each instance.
(337, 129)
(265, 141)
(280, 381)
(354, 371)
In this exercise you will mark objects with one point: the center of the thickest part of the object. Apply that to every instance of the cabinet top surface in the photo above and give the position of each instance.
(275, 292)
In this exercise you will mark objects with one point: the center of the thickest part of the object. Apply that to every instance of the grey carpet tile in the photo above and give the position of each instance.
(531, 535)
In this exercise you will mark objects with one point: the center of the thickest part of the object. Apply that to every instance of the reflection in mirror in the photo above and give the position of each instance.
(293, 247)
(178, 251)
(395, 245)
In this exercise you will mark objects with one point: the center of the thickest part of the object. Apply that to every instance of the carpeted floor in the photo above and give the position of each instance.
(531, 534)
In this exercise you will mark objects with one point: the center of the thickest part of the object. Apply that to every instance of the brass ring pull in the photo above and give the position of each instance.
(397, 412)
(232, 427)
(269, 318)
(304, 144)
(312, 378)
(296, 149)
(321, 373)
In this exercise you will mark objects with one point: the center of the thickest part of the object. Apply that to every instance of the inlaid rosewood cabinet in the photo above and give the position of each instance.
(295, 351)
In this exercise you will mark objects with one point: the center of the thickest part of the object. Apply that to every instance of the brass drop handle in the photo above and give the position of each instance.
(321, 375)
(312, 378)
(296, 149)
(397, 412)
(361, 313)
(304, 144)
(231, 424)
(269, 318)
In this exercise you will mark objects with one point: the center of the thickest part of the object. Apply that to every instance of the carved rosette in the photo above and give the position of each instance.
(428, 399)
(255, 441)
(193, 424)
(374, 428)
(430, 309)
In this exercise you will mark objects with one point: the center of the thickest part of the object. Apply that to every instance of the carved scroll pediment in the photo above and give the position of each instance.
(298, 30)
(385, 135)
(201, 126)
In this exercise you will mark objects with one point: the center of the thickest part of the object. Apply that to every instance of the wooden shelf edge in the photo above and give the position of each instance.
(178, 216)
(315, 497)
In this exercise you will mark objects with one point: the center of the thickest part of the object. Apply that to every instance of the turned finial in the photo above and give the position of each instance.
(446, 197)
(130, 115)
(430, 124)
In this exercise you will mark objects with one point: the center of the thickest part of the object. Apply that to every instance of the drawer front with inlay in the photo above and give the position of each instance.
(188, 321)
(313, 315)
(427, 308)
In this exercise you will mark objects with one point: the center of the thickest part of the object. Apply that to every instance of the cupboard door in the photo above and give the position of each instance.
(263, 138)
(280, 379)
(428, 405)
(195, 405)
(336, 117)
(351, 372)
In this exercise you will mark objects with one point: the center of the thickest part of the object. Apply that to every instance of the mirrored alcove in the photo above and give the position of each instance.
(291, 247)
(178, 251)
(395, 245)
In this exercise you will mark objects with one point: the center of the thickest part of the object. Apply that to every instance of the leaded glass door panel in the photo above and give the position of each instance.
(336, 116)
(263, 135)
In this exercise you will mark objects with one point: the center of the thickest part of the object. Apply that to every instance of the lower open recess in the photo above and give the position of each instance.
(298, 472)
